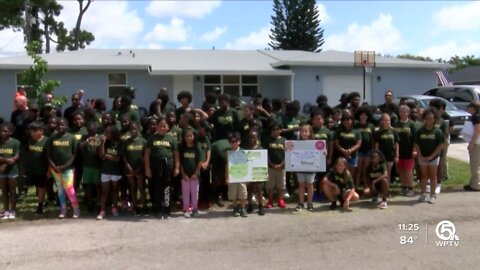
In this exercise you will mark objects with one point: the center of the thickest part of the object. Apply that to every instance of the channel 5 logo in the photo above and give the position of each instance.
(447, 233)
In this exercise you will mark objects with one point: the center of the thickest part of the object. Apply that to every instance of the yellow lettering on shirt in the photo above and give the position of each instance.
(135, 147)
(61, 143)
(386, 136)
(112, 152)
(161, 143)
(189, 155)
(8, 151)
(347, 134)
(402, 130)
(427, 136)
(35, 148)
(275, 146)
(78, 137)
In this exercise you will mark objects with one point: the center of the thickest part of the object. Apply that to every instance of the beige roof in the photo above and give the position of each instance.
(167, 62)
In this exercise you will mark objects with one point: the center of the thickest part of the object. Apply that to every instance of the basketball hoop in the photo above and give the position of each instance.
(365, 59)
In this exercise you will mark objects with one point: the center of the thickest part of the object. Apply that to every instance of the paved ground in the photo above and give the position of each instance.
(367, 238)
(458, 149)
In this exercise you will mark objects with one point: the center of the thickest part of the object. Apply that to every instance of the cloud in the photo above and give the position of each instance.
(11, 43)
(186, 48)
(213, 35)
(176, 30)
(380, 36)
(114, 23)
(254, 40)
(463, 17)
(181, 9)
(452, 48)
(323, 15)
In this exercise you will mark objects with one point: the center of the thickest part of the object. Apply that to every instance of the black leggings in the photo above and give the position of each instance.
(161, 185)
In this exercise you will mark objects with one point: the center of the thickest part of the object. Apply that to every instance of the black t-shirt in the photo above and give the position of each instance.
(17, 118)
(476, 119)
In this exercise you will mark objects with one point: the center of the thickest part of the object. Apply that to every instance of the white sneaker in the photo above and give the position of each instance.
(438, 189)
(383, 205)
(433, 199)
(6, 214)
(11, 215)
(286, 195)
(422, 198)
(410, 193)
(186, 214)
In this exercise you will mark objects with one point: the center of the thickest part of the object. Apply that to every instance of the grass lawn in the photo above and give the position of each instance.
(459, 173)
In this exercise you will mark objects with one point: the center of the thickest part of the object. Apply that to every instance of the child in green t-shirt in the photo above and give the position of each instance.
(338, 185)
(376, 173)
(61, 150)
(133, 151)
(190, 165)
(91, 164)
(9, 155)
(36, 162)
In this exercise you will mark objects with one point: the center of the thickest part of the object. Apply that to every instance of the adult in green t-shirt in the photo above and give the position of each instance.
(225, 120)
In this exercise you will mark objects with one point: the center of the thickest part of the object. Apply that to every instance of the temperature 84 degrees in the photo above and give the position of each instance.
(408, 239)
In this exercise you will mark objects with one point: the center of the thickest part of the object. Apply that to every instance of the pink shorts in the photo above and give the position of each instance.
(405, 164)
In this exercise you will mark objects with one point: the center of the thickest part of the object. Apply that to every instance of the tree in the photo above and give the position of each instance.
(33, 78)
(414, 57)
(463, 62)
(296, 26)
(39, 21)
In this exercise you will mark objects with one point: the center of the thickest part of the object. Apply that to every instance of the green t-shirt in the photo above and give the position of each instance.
(205, 146)
(322, 134)
(374, 173)
(276, 150)
(443, 126)
(176, 132)
(386, 139)
(289, 123)
(91, 159)
(344, 182)
(109, 166)
(133, 150)
(80, 134)
(406, 134)
(36, 157)
(219, 155)
(224, 122)
(10, 149)
(62, 148)
(189, 158)
(133, 115)
(428, 140)
(124, 136)
(347, 138)
(161, 147)
(367, 131)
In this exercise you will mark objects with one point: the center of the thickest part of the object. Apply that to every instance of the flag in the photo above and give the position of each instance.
(442, 77)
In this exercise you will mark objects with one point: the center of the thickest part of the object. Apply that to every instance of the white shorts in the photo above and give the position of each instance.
(433, 162)
(110, 177)
(308, 178)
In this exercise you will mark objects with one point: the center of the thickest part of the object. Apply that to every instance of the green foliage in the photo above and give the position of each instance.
(11, 14)
(463, 62)
(415, 57)
(33, 78)
(296, 26)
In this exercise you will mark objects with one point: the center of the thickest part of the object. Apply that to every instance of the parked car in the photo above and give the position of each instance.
(460, 95)
(458, 116)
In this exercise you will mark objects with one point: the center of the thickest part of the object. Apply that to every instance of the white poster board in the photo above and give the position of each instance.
(247, 166)
(305, 156)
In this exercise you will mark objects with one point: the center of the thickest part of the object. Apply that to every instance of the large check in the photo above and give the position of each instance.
(305, 156)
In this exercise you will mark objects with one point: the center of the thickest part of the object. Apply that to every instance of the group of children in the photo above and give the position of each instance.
(117, 159)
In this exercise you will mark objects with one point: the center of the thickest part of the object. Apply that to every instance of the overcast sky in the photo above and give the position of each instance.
(428, 28)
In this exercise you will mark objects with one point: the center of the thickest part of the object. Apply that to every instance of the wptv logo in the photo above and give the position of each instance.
(447, 234)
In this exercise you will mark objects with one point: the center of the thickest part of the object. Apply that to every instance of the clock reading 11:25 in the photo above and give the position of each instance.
(408, 227)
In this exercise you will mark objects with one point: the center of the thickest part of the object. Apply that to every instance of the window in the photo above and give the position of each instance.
(234, 85)
(117, 83)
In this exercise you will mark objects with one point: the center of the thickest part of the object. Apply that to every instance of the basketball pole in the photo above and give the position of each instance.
(364, 75)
